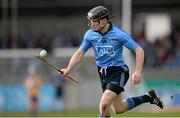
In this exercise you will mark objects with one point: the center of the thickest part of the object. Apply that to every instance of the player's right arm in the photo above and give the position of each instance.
(75, 59)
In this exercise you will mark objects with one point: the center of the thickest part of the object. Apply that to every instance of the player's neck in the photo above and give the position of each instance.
(105, 28)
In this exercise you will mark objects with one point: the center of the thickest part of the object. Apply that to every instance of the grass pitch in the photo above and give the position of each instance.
(90, 113)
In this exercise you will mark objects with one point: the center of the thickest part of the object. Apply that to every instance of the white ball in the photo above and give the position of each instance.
(43, 53)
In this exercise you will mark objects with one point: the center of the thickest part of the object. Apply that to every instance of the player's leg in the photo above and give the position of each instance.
(34, 104)
(112, 85)
(119, 106)
(106, 100)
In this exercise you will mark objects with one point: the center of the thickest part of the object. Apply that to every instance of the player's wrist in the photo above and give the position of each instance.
(68, 69)
(138, 70)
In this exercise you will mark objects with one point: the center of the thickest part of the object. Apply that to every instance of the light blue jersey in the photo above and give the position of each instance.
(108, 47)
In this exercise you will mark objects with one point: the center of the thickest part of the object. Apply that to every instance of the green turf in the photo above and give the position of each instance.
(90, 113)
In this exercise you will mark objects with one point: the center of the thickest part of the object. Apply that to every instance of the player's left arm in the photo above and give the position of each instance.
(136, 77)
(129, 43)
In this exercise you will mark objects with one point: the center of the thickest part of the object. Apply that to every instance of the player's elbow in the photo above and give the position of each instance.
(78, 55)
(139, 51)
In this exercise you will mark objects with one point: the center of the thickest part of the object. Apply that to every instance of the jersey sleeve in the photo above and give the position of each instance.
(129, 42)
(86, 44)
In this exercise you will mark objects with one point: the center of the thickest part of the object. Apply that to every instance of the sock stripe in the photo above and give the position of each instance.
(130, 103)
(135, 101)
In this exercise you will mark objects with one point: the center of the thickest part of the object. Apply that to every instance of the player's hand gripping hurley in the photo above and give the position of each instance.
(56, 68)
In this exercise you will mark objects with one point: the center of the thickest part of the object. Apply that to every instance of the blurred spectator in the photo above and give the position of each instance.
(61, 39)
(163, 52)
(26, 40)
(57, 40)
(148, 50)
(65, 39)
(74, 40)
(43, 41)
(1, 43)
(66, 36)
(9, 40)
(174, 63)
(32, 84)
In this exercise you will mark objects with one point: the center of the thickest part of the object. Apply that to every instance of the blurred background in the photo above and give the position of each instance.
(27, 26)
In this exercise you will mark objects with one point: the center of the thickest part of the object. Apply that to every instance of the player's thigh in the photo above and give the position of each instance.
(108, 97)
(118, 105)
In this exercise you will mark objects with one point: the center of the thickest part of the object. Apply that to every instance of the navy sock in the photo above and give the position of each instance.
(135, 101)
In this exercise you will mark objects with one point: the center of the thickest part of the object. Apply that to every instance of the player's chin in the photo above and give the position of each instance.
(94, 29)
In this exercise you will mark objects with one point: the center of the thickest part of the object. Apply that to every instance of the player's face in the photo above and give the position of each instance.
(95, 25)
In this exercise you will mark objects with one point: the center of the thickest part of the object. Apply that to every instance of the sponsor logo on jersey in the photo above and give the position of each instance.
(105, 50)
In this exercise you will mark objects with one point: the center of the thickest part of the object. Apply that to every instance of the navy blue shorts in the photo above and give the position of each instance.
(113, 78)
